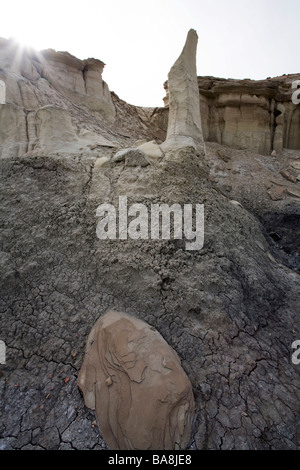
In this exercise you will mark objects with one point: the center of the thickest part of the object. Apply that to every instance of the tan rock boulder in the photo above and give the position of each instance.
(135, 383)
(258, 115)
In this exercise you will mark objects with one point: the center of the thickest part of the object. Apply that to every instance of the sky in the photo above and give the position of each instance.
(139, 40)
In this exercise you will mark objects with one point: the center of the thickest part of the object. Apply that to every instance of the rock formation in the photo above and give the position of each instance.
(184, 126)
(257, 115)
(2, 92)
(13, 131)
(134, 381)
(84, 84)
(184, 121)
(229, 310)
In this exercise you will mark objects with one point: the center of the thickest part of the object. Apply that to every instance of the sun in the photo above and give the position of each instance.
(21, 50)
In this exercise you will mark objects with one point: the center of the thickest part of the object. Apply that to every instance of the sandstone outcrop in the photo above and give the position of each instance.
(135, 383)
(83, 114)
(79, 80)
(132, 157)
(184, 120)
(249, 114)
(31, 76)
(184, 125)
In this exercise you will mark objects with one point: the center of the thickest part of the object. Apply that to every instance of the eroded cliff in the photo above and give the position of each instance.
(58, 103)
(257, 115)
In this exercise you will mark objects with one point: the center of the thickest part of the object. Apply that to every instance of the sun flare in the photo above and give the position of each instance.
(21, 50)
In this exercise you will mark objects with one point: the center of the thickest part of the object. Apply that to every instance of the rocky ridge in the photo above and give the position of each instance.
(56, 103)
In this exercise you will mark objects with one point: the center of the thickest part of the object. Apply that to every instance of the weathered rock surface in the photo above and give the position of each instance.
(132, 157)
(135, 383)
(184, 124)
(249, 114)
(184, 120)
(266, 186)
(229, 310)
(78, 80)
(33, 74)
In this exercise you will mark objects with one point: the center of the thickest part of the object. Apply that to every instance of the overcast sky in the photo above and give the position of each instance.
(140, 40)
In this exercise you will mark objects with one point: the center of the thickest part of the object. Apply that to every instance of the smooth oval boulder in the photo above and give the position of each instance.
(135, 383)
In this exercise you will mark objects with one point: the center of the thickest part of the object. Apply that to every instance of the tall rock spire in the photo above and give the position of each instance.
(184, 127)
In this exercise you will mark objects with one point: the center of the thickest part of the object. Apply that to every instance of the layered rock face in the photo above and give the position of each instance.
(2, 93)
(257, 115)
(79, 80)
(248, 114)
(134, 380)
(230, 310)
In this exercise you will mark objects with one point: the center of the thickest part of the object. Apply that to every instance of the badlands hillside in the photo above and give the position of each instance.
(228, 311)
